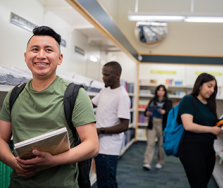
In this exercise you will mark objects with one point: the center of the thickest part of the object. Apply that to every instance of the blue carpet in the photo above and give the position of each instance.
(130, 173)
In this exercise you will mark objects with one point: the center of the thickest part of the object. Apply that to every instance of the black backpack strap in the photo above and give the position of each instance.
(69, 102)
(70, 97)
(15, 93)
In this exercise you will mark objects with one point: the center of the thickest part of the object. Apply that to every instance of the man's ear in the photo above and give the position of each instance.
(60, 59)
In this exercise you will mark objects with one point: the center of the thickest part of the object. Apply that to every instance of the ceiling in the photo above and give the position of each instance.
(182, 38)
(62, 9)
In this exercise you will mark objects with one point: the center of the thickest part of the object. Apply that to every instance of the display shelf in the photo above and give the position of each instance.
(131, 125)
(168, 86)
(92, 93)
(217, 173)
(126, 147)
(93, 179)
(143, 124)
(170, 96)
(218, 146)
(6, 88)
(141, 139)
(141, 110)
(131, 94)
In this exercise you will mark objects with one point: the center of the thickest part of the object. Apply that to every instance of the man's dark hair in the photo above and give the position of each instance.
(46, 31)
(115, 66)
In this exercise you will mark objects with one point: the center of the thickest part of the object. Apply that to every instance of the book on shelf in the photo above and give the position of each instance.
(54, 142)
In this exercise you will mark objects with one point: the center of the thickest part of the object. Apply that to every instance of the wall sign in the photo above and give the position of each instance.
(79, 50)
(162, 72)
(212, 73)
(21, 22)
(63, 43)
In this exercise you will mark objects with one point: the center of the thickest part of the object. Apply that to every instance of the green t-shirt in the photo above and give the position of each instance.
(202, 115)
(38, 112)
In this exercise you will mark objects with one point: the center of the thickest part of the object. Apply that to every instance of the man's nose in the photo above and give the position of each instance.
(41, 54)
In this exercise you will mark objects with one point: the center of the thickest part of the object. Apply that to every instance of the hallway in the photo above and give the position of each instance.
(130, 173)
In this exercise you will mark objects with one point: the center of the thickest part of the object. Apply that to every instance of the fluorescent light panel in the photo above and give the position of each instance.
(155, 18)
(204, 19)
(175, 17)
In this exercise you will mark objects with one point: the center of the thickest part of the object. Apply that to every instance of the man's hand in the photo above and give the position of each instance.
(24, 172)
(42, 159)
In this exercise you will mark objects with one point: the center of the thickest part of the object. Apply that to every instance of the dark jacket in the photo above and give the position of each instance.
(167, 107)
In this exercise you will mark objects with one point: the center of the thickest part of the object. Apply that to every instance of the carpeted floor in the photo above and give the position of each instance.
(130, 173)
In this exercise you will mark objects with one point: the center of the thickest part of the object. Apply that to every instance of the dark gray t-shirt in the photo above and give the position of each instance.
(202, 115)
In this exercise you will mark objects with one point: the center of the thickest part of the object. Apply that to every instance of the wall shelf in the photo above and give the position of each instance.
(126, 147)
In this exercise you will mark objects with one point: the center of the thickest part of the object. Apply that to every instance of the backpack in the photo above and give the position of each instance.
(69, 102)
(174, 132)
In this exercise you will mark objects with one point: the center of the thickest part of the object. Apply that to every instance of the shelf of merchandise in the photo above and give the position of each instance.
(131, 125)
(168, 86)
(126, 147)
(131, 94)
(92, 94)
(218, 169)
(93, 179)
(142, 124)
(5, 88)
(141, 139)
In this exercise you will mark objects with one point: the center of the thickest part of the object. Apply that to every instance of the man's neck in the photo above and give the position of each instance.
(115, 86)
(41, 84)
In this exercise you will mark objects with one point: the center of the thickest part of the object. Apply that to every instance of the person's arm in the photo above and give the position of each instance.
(166, 108)
(121, 127)
(6, 155)
(146, 112)
(187, 120)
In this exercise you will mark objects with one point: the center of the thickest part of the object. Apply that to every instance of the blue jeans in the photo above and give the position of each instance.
(106, 166)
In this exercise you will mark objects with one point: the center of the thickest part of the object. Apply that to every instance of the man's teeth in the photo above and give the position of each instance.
(41, 63)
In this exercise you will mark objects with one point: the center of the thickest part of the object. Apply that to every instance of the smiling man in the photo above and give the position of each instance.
(113, 114)
(39, 109)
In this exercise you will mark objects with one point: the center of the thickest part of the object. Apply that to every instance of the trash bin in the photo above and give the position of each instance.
(5, 172)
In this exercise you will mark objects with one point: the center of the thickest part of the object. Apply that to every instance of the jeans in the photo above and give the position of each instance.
(106, 166)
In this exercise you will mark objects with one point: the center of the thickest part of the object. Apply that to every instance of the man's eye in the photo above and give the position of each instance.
(35, 49)
(48, 50)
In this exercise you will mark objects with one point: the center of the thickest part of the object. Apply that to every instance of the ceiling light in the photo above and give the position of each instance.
(152, 23)
(93, 58)
(175, 17)
(204, 19)
(155, 17)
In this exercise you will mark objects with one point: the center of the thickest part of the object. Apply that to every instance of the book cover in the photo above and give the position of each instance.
(154, 110)
(55, 142)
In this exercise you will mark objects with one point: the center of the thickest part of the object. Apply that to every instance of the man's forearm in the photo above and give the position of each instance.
(121, 127)
(6, 155)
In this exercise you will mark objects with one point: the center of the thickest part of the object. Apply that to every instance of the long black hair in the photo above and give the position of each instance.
(165, 97)
(211, 101)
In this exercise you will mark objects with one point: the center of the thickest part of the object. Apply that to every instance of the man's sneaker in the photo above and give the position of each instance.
(147, 167)
(158, 166)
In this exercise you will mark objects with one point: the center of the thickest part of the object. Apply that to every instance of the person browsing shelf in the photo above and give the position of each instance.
(198, 115)
(39, 109)
(157, 111)
(113, 114)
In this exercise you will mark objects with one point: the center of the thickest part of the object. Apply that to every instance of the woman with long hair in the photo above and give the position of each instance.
(157, 111)
(199, 116)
